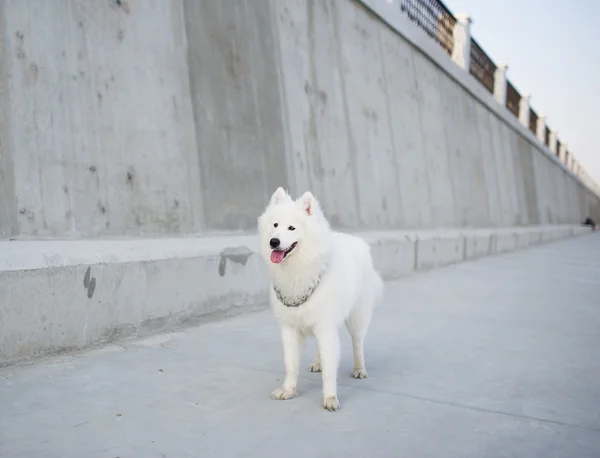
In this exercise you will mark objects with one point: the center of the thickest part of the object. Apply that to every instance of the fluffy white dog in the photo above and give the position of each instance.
(319, 280)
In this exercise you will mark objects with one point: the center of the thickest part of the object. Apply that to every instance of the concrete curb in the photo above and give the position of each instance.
(65, 295)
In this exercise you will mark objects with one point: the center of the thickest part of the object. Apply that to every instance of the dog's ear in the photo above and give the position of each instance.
(308, 203)
(280, 195)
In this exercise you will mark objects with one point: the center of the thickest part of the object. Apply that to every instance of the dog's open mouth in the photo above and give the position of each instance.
(279, 255)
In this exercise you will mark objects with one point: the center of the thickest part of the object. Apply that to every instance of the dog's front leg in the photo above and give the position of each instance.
(292, 344)
(329, 347)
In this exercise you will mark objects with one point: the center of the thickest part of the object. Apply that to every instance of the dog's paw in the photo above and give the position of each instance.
(314, 367)
(281, 395)
(331, 403)
(359, 373)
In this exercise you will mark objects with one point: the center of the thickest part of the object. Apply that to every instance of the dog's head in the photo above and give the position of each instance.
(291, 228)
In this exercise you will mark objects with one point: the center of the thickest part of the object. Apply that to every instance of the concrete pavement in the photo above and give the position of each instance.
(491, 358)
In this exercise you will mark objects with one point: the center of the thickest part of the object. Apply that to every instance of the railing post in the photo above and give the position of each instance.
(500, 84)
(524, 110)
(461, 53)
(541, 129)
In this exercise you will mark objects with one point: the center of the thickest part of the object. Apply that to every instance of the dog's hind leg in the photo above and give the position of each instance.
(315, 366)
(358, 323)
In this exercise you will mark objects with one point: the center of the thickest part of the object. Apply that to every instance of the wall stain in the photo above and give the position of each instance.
(237, 255)
(89, 282)
(28, 214)
(20, 50)
(318, 94)
(91, 288)
(123, 5)
(130, 176)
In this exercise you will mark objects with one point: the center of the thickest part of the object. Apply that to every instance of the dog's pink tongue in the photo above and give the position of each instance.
(277, 256)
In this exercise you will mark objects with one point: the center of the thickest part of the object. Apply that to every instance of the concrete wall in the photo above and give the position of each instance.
(174, 117)
(389, 132)
(238, 116)
(97, 117)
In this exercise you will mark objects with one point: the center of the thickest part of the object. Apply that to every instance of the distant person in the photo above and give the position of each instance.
(590, 222)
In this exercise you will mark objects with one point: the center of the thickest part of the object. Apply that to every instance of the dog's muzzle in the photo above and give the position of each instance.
(278, 255)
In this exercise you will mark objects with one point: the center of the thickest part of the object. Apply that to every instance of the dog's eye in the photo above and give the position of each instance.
(291, 228)
(276, 224)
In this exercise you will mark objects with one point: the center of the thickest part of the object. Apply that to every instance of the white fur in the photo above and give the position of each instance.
(347, 292)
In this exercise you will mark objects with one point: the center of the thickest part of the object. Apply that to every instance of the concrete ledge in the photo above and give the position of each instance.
(62, 295)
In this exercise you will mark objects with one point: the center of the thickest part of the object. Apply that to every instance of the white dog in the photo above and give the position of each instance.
(320, 279)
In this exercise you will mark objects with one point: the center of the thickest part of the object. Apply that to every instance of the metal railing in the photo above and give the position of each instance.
(434, 19)
(513, 99)
(533, 121)
(482, 67)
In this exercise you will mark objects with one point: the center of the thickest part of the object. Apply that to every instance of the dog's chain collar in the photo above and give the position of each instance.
(302, 299)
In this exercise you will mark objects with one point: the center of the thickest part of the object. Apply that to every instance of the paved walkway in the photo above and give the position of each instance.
(494, 358)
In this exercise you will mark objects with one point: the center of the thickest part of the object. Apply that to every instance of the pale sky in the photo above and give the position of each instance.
(552, 49)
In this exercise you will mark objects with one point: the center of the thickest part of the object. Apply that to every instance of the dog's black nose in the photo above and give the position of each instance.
(274, 243)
